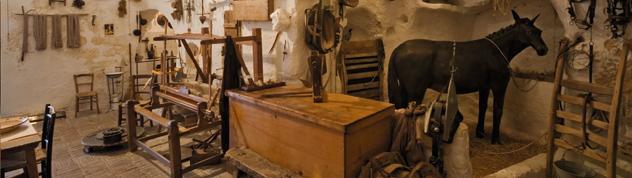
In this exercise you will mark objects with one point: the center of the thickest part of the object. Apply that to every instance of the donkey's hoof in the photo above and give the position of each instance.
(480, 134)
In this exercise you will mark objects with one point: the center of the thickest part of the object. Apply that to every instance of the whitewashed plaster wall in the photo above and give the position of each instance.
(46, 76)
(401, 20)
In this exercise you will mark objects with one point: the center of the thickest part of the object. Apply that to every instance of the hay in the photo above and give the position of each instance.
(485, 162)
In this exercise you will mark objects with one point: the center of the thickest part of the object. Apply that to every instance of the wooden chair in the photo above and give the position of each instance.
(139, 93)
(83, 81)
(43, 155)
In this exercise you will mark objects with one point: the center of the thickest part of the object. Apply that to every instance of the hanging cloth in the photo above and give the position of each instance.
(25, 36)
(232, 80)
(40, 27)
(73, 32)
(56, 41)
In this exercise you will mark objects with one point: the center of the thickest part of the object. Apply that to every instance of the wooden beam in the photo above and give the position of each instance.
(200, 72)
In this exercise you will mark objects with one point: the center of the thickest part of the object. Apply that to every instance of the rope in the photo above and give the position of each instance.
(519, 149)
(513, 79)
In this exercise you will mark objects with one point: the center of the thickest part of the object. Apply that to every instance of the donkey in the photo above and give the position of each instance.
(481, 65)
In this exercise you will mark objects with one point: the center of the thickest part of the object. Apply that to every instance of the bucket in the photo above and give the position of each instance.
(568, 169)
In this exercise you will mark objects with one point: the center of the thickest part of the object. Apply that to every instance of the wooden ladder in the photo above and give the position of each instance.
(612, 125)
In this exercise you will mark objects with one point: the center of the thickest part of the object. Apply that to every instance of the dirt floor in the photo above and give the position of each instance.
(487, 158)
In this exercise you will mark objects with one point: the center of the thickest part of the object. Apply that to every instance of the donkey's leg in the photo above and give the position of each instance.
(499, 100)
(483, 95)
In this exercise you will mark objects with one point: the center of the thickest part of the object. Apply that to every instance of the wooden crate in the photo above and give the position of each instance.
(331, 139)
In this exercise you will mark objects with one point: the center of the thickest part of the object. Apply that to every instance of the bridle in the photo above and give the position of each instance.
(588, 21)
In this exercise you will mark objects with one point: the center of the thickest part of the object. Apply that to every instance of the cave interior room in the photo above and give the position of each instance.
(315, 88)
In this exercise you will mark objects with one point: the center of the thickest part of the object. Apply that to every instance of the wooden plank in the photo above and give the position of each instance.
(252, 10)
(362, 75)
(361, 66)
(578, 119)
(585, 86)
(363, 86)
(360, 60)
(578, 133)
(580, 101)
(589, 153)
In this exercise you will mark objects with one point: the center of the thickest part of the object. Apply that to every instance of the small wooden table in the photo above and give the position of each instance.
(24, 145)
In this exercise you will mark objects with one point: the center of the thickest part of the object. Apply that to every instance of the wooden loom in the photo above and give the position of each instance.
(206, 120)
(208, 39)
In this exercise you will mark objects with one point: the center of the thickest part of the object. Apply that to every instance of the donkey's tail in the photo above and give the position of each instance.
(396, 93)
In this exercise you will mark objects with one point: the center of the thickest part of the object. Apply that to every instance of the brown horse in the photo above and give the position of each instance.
(481, 65)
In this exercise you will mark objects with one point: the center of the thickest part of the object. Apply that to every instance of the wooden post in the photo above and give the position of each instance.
(257, 55)
(174, 150)
(131, 125)
(207, 53)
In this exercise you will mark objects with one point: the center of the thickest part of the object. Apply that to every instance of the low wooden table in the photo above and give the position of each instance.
(27, 146)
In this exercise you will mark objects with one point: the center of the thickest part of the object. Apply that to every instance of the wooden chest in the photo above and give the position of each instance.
(331, 139)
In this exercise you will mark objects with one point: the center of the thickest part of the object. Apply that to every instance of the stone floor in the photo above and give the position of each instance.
(69, 160)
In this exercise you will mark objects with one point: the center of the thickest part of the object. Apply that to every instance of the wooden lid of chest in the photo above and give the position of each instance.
(338, 112)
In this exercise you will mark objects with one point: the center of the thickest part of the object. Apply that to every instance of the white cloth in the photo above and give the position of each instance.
(280, 20)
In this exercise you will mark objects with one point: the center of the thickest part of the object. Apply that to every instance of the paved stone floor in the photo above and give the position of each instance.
(69, 160)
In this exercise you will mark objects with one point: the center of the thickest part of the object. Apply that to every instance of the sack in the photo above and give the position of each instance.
(388, 165)
(404, 138)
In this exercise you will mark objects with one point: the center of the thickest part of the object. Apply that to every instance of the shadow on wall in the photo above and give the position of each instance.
(364, 24)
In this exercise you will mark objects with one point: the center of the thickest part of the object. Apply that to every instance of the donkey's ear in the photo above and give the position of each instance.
(515, 15)
(534, 19)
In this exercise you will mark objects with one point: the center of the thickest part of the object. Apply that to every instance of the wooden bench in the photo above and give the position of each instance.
(243, 161)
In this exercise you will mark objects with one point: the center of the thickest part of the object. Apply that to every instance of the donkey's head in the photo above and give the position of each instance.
(529, 34)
